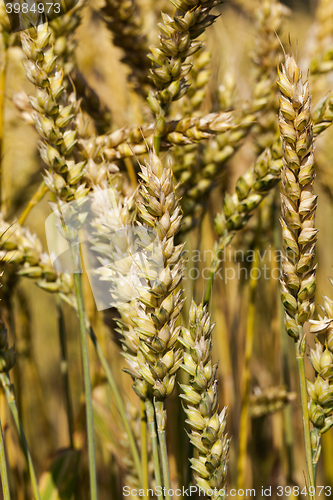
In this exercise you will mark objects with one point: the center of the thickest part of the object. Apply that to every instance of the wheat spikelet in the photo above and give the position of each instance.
(226, 91)
(322, 62)
(160, 303)
(59, 121)
(198, 79)
(112, 231)
(7, 38)
(321, 390)
(177, 43)
(53, 114)
(207, 425)
(267, 56)
(133, 140)
(269, 401)
(63, 35)
(23, 253)
(7, 355)
(298, 201)
(123, 19)
(251, 188)
(147, 323)
(198, 168)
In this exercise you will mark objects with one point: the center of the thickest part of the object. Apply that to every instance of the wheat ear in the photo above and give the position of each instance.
(321, 390)
(298, 206)
(207, 425)
(322, 62)
(123, 18)
(267, 55)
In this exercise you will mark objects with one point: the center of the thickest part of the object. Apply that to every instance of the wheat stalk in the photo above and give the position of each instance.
(207, 425)
(3, 467)
(7, 361)
(54, 120)
(148, 323)
(7, 355)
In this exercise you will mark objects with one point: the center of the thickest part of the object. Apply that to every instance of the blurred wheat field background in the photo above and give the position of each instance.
(234, 74)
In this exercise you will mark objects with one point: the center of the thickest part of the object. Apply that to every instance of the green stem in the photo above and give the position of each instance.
(315, 437)
(219, 246)
(161, 425)
(64, 371)
(196, 263)
(287, 412)
(159, 129)
(314, 466)
(86, 375)
(3, 468)
(154, 442)
(300, 351)
(3, 72)
(209, 287)
(157, 144)
(243, 431)
(144, 450)
(37, 197)
(114, 389)
(119, 401)
(10, 396)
